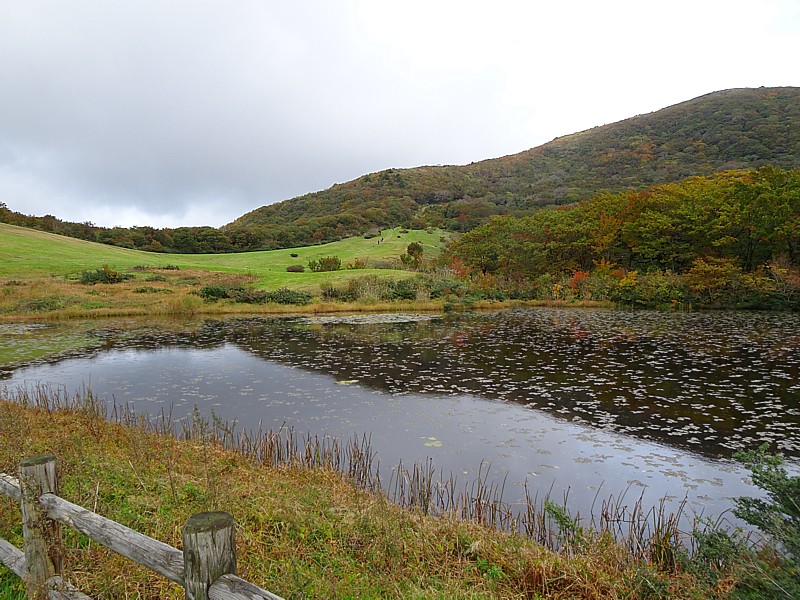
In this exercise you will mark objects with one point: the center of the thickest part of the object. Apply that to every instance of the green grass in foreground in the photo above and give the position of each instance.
(301, 532)
(26, 253)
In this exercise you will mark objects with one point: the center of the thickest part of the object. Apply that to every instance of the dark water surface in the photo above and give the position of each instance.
(576, 400)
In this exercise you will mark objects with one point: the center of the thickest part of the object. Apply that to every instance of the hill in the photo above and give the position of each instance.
(732, 129)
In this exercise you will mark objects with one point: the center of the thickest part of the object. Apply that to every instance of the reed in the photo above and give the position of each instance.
(317, 520)
(652, 535)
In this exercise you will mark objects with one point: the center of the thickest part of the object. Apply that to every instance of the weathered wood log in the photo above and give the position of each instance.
(156, 556)
(231, 587)
(41, 536)
(209, 551)
(10, 486)
(12, 557)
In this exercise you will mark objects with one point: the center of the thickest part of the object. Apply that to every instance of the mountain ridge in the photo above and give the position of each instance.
(736, 128)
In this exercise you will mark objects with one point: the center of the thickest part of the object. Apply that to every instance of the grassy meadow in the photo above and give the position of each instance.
(30, 253)
(39, 274)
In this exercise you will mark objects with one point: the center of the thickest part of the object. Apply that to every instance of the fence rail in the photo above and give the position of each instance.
(206, 568)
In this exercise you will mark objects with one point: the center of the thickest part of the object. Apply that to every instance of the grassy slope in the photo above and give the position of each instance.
(26, 253)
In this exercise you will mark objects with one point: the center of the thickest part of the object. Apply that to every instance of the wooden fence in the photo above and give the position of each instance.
(206, 568)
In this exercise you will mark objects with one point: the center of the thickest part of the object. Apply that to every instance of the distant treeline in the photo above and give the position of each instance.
(184, 240)
(299, 231)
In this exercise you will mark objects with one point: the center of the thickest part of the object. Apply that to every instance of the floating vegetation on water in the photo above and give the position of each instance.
(652, 400)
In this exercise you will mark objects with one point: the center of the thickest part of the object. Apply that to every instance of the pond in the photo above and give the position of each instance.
(587, 403)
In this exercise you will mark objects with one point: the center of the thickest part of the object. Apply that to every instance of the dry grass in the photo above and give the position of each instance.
(303, 531)
(53, 299)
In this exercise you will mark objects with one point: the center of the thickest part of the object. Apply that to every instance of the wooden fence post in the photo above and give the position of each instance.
(209, 551)
(42, 544)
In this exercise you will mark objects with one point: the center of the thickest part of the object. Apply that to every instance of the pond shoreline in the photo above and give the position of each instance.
(309, 530)
(316, 308)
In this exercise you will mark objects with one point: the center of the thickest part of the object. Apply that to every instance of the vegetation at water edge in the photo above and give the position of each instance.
(309, 524)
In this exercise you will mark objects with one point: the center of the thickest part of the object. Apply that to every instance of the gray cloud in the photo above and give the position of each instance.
(194, 112)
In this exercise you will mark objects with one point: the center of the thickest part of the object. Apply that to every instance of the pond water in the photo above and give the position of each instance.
(593, 402)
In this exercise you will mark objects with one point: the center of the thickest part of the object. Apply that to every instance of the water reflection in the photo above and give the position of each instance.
(652, 402)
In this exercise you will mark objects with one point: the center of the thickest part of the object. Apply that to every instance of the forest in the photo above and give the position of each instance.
(729, 239)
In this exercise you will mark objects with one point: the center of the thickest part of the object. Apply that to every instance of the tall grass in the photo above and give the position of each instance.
(654, 535)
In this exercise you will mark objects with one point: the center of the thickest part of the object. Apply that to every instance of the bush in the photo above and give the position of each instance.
(327, 263)
(358, 263)
(217, 292)
(104, 275)
(287, 296)
(295, 269)
(404, 289)
(245, 295)
(249, 296)
(44, 304)
(330, 292)
(778, 515)
(149, 289)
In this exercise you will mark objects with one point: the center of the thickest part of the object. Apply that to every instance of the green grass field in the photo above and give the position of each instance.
(27, 253)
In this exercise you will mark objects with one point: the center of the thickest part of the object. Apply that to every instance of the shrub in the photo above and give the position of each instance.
(772, 572)
(156, 277)
(44, 304)
(295, 269)
(149, 289)
(215, 292)
(249, 295)
(326, 263)
(778, 514)
(358, 263)
(104, 275)
(405, 289)
(330, 292)
(245, 295)
(287, 296)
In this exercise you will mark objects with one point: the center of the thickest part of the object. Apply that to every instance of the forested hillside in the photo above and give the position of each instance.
(732, 238)
(733, 129)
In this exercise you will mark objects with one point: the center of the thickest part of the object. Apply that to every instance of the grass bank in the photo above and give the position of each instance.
(304, 528)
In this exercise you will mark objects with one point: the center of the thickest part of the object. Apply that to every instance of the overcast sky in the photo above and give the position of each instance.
(193, 112)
